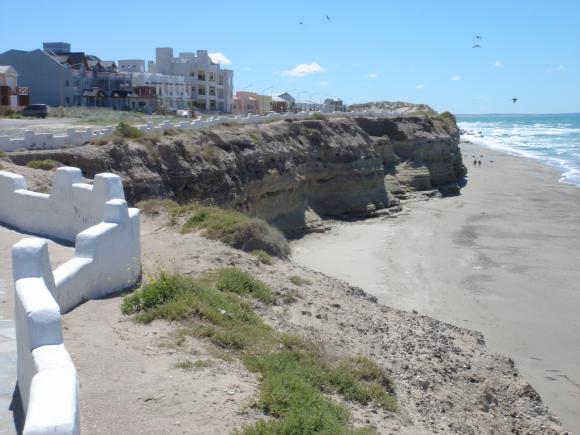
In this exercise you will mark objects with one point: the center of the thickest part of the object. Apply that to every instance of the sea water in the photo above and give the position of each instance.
(551, 139)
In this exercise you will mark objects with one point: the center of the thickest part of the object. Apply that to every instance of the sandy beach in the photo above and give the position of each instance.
(502, 258)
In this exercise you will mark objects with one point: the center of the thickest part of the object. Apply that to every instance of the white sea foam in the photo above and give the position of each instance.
(552, 139)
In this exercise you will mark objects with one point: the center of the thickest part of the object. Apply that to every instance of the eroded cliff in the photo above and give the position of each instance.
(288, 173)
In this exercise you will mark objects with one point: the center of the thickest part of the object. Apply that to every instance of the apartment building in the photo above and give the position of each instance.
(210, 86)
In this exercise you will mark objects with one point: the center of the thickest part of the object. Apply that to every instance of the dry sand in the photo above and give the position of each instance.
(502, 258)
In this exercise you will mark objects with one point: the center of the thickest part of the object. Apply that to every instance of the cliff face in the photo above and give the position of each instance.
(288, 173)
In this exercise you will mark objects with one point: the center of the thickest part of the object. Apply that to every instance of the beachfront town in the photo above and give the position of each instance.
(191, 82)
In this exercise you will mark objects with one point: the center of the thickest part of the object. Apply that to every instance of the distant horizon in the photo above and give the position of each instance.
(516, 114)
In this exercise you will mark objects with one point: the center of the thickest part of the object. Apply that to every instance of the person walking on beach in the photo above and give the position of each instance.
(479, 163)
(475, 163)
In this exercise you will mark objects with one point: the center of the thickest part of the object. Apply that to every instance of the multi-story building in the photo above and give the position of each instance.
(172, 92)
(211, 87)
(334, 105)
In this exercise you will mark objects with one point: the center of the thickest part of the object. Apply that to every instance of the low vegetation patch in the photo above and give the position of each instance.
(2, 154)
(127, 131)
(187, 364)
(318, 116)
(297, 376)
(45, 165)
(238, 230)
(263, 257)
(298, 280)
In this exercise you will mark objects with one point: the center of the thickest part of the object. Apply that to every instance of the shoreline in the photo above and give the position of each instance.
(483, 260)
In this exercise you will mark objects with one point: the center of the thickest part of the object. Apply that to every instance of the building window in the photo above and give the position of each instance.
(212, 77)
(212, 91)
(201, 76)
(201, 91)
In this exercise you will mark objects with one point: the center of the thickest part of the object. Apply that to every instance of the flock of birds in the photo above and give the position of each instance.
(477, 45)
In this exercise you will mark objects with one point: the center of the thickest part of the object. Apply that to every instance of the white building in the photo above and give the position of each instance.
(172, 92)
(210, 86)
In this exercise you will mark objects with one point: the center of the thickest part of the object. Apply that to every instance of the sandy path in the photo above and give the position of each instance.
(503, 258)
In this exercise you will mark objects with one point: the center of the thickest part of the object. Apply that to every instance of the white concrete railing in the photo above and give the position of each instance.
(107, 259)
(32, 140)
(71, 206)
(47, 378)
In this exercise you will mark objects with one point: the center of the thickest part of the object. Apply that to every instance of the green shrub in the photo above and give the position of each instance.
(234, 280)
(45, 165)
(238, 230)
(187, 364)
(263, 257)
(318, 116)
(2, 154)
(298, 280)
(294, 388)
(127, 131)
(156, 206)
(224, 317)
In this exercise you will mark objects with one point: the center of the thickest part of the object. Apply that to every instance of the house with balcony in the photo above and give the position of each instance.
(12, 96)
(61, 77)
(246, 102)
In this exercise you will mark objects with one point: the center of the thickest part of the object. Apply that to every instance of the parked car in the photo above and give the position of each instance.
(38, 110)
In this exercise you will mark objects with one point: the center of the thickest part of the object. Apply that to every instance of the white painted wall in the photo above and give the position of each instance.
(107, 259)
(47, 378)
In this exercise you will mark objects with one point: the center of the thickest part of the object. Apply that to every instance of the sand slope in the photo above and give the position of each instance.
(503, 258)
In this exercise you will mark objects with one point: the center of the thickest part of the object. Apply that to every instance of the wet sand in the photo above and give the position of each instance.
(502, 258)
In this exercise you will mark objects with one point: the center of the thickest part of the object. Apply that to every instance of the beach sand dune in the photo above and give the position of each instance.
(502, 258)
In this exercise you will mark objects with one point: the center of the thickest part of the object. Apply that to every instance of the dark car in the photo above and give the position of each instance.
(38, 110)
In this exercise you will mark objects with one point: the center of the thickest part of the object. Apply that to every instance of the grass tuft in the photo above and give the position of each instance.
(298, 280)
(127, 131)
(187, 364)
(263, 257)
(238, 230)
(234, 280)
(45, 165)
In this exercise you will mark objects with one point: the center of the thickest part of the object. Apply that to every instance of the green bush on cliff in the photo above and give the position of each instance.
(238, 230)
(127, 131)
(45, 165)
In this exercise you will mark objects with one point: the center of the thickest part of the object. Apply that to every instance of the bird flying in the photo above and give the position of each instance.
(300, 22)
(478, 37)
(514, 100)
(328, 18)
(476, 46)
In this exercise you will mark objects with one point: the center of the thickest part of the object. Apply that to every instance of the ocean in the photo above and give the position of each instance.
(551, 139)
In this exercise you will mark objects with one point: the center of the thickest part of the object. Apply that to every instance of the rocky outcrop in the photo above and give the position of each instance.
(287, 172)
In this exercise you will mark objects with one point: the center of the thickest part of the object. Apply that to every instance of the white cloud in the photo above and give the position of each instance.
(456, 78)
(324, 83)
(373, 76)
(220, 58)
(559, 68)
(303, 69)
(498, 64)
(420, 87)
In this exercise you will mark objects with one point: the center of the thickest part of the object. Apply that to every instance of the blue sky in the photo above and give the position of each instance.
(419, 51)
